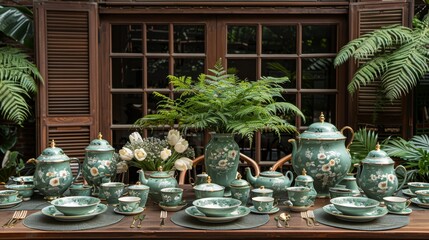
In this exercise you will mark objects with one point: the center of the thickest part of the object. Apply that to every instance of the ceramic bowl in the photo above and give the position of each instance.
(207, 190)
(416, 186)
(24, 190)
(23, 179)
(355, 206)
(8, 196)
(76, 205)
(217, 206)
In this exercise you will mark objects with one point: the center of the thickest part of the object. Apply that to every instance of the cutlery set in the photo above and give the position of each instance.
(308, 216)
(17, 216)
(138, 218)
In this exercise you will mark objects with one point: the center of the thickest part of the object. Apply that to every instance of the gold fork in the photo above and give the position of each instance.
(309, 222)
(15, 214)
(20, 216)
(163, 216)
(310, 215)
(135, 218)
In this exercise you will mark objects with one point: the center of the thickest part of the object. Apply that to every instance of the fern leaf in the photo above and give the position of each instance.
(13, 106)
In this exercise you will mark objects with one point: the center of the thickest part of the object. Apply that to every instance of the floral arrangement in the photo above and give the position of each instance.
(172, 152)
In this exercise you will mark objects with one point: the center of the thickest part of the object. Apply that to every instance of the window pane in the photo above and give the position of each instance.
(245, 69)
(314, 104)
(189, 39)
(157, 38)
(126, 108)
(280, 68)
(127, 38)
(127, 72)
(157, 72)
(273, 148)
(191, 67)
(152, 102)
(318, 73)
(241, 39)
(319, 39)
(196, 141)
(120, 138)
(278, 39)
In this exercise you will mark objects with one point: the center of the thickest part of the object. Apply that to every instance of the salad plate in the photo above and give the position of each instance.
(239, 213)
(419, 203)
(408, 193)
(379, 212)
(273, 210)
(406, 211)
(52, 212)
(11, 204)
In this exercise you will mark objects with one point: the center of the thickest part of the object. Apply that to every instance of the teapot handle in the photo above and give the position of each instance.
(404, 170)
(289, 175)
(79, 168)
(353, 135)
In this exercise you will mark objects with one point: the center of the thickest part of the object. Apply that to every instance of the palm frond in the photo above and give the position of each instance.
(17, 23)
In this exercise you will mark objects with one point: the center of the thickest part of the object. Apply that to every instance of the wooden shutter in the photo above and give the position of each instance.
(392, 119)
(66, 44)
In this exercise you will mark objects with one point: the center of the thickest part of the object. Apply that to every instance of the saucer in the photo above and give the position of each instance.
(172, 208)
(11, 204)
(52, 212)
(408, 193)
(379, 212)
(137, 211)
(418, 203)
(273, 210)
(297, 208)
(406, 211)
(239, 213)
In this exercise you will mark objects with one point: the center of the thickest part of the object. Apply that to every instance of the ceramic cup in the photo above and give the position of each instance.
(8, 196)
(141, 191)
(80, 190)
(262, 192)
(416, 186)
(171, 196)
(263, 204)
(341, 192)
(396, 204)
(111, 191)
(423, 195)
(299, 196)
(128, 204)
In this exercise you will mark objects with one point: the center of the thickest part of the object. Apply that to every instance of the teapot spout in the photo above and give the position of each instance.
(250, 177)
(293, 142)
(142, 178)
(357, 166)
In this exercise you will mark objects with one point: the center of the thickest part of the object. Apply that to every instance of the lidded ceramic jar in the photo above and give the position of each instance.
(99, 162)
(157, 181)
(306, 181)
(240, 189)
(377, 175)
(208, 189)
(53, 175)
(322, 151)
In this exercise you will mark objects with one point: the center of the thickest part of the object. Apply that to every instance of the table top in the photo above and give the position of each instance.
(151, 229)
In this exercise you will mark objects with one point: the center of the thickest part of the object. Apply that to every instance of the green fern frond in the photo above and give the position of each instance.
(368, 73)
(13, 105)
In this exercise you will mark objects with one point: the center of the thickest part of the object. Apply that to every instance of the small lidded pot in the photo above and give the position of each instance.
(262, 192)
(306, 181)
(201, 178)
(240, 189)
(208, 189)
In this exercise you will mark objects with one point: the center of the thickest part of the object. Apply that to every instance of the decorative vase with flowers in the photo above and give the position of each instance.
(226, 106)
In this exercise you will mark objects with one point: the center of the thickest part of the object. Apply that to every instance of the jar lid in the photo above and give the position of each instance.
(239, 182)
(271, 173)
(262, 189)
(378, 156)
(99, 144)
(322, 130)
(138, 186)
(209, 186)
(53, 154)
(304, 177)
(160, 174)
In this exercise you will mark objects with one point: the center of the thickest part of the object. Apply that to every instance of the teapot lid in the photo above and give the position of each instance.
(239, 182)
(99, 144)
(322, 130)
(160, 174)
(209, 186)
(271, 173)
(378, 156)
(53, 154)
(304, 177)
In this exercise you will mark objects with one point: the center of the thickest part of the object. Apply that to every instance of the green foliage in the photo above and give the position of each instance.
(222, 103)
(18, 82)
(17, 23)
(364, 141)
(8, 136)
(13, 165)
(396, 55)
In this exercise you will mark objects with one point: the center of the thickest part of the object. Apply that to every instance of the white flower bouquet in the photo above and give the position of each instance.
(172, 153)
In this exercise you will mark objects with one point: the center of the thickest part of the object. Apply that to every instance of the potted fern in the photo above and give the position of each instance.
(225, 106)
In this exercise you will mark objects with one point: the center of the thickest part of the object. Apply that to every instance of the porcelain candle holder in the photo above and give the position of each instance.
(171, 196)
(141, 191)
(128, 204)
(396, 204)
(112, 191)
(263, 204)
(299, 196)
(8, 196)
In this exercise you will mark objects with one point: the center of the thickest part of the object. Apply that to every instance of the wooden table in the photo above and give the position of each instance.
(417, 229)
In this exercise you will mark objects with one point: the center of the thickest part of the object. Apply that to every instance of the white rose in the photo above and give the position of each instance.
(165, 153)
(183, 164)
(126, 154)
(135, 138)
(173, 137)
(181, 145)
(140, 154)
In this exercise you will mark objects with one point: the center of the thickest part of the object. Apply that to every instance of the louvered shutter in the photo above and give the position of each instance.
(392, 119)
(67, 57)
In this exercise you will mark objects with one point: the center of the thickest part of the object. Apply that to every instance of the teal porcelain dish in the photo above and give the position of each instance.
(52, 212)
(416, 186)
(217, 207)
(25, 191)
(76, 205)
(238, 213)
(8, 196)
(377, 213)
(355, 206)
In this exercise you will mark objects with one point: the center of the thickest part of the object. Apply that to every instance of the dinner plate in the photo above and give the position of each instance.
(239, 213)
(11, 204)
(52, 212)
(408, 193)
(172, 208)
(379, 212)
(273, 210)
(137, 211)
(419, 203)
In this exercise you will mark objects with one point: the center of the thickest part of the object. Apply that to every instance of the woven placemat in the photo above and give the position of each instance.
(42, 222)
(250, 221)
(386, 222)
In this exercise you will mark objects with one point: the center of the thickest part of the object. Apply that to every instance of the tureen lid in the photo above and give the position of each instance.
(304, 177)
(53, 154)
(209, 186)
(271, 173)
(378, 156)
(322, 130)
(160, 174)
(99, 144)
(239, 182)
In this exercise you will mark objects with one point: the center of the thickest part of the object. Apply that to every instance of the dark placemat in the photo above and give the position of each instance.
(250, 221)
(42, 222)
(386, 222)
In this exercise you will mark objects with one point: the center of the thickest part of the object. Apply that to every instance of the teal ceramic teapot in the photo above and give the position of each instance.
(273, 180)
(377, 175)
(53, 175)
(157, 181)
(322, 151)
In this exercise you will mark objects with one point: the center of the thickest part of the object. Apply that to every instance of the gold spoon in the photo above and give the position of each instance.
(284, 217)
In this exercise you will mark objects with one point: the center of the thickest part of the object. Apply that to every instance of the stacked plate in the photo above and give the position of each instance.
(377, 213)
(217, 210)
(238, 213)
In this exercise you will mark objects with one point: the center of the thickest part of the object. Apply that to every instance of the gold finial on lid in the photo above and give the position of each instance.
(304, 172)
(160, 169)
(100, 136)
(53, 143)
(377, 147)
(322, 117)
(271, 169)
(209, 179)
(239, 176)
(261, 187)
(138, 183)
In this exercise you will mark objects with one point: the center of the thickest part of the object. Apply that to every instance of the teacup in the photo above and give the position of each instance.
(263, 204)
(341, 192)
(80, 190)
(171, 196)
(262, 192)
(396, 204)
(416, 186)
(141, 191)
(128, 204)
(299, 196)
(111, 191)
(8, 196)
(423, 195)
